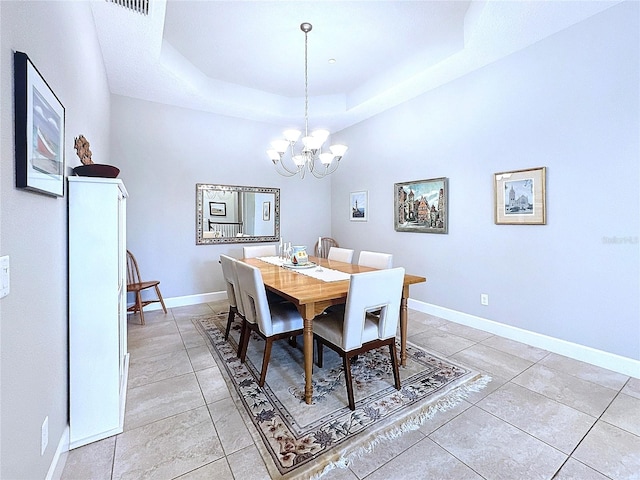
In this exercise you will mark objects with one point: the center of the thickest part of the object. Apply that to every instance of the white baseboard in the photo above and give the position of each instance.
(600, 358)
(60, 457)
(188, 300)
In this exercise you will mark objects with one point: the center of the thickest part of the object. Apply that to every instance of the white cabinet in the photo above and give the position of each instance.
(98, 358)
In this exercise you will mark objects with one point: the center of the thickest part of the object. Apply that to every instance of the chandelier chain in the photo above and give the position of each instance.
(306, 84)
(310, 158)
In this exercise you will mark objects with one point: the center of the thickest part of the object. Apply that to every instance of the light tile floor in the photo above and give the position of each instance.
(543, 416)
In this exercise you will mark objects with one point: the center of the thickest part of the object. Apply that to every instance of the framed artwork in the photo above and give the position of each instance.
(266, 211)
(359, 206)
(519, 197)
(217, 209)
(421, 206)
(39, 131)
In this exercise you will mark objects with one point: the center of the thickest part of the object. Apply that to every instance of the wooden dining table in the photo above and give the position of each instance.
(312, 297)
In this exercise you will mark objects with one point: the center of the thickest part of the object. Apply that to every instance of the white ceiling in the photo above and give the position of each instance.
(246, 58)
(260, 45)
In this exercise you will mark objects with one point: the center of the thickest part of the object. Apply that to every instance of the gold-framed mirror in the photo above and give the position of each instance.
(236, 214)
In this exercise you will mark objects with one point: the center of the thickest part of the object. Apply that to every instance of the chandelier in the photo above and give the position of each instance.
(309, 155)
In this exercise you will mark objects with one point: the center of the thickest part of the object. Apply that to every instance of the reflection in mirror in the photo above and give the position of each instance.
(236, 214)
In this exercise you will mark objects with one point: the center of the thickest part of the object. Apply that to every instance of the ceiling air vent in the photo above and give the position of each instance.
(138, 6)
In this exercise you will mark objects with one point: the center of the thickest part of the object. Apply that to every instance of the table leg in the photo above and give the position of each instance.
(307, 334)
(403, 331)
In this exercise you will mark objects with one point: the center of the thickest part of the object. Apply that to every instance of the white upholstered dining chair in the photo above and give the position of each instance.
(259, 251)
(355, 330)
(233, 290)
(340, 254)
(255, 251)
(271, 321)
(375, 259)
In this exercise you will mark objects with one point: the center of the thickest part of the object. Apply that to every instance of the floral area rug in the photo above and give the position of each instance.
(305, 441)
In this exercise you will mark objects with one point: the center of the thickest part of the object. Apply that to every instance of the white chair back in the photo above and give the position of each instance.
(254, 297)
(375, 260)
(340, 254)
(230, 279)
(259, 251)
(378, 290)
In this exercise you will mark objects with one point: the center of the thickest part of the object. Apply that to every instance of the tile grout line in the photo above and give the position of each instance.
(213, 424)
(570, 456)
(226, 455)
(425, 436)
(476, 404)
(599, 418)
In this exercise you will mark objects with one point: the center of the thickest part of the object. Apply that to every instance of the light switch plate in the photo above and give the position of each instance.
(4, 276)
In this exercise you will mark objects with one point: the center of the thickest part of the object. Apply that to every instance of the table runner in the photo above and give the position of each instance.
(273, 260)
(325, 274)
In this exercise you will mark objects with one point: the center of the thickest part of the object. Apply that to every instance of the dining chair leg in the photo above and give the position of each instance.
(319, 348)
(394, 363)
(230, 318)
(265, 361)
(246, 333)
(347, 376)
(241, 340)
(160, 298)
(139, 307)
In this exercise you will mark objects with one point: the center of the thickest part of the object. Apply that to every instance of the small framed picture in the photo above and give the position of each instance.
(359, 208)
(519, 197)
(39, 131)
(421, 206)
(217, 209)
(266, 211)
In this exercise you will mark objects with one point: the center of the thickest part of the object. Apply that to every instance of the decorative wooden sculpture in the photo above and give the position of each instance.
(83, 150)
(88, 168)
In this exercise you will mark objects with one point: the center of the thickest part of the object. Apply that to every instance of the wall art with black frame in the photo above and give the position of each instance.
(39, 131)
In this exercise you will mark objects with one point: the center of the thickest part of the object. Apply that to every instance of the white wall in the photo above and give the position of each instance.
(570, 103)
(163, 151)
(59, 38)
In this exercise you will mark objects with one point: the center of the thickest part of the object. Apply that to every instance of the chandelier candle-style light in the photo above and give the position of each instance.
(310, 157)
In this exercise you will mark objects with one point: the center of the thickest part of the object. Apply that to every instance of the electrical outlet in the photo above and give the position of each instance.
(484, 299)
(44, 435)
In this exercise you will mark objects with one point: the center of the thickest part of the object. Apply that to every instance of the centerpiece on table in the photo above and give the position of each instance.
(299, 255)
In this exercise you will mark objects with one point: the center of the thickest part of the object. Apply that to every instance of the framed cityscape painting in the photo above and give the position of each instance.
(520, 197)
(359, 208)
(39, 131)
(421, 206)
